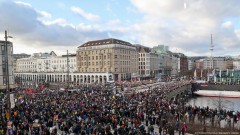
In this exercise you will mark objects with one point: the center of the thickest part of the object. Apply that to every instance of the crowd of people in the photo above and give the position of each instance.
(97, 110)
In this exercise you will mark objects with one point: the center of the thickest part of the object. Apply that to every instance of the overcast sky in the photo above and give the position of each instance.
(183, 25)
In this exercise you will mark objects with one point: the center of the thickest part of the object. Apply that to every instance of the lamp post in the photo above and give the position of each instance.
(7, 70)
(67, 69)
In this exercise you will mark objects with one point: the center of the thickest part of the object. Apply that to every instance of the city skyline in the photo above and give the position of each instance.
(183, 25)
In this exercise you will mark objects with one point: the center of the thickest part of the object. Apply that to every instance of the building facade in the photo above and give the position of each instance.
(108, 56)
(164, 61)
(182, 63)
(236, 64)
(18, 56)
(47, 68)
(174, 72)
(148, 62)
(221, 63)
(6, 67)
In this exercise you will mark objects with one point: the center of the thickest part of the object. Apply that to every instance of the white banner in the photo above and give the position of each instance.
(12, 101)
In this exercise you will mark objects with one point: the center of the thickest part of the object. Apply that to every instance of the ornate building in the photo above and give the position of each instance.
(107, 59)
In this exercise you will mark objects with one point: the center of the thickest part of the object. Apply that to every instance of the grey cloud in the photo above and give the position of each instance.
(189, 28)
(24, 25)
(19, 19)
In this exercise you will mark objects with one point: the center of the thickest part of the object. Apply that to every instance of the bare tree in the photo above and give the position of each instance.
(221, 104)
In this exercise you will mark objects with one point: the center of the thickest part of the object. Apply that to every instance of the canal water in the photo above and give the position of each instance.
(232, 104)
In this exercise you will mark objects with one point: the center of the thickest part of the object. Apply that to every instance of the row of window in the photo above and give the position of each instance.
(47, 61)
(123, 63)
(122, 51)
(55, 66)
(104, 69)
(104, 57)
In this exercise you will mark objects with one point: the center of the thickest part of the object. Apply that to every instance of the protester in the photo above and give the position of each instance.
(97, 109)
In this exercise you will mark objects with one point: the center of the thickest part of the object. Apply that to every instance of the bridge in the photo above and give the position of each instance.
(177, 93)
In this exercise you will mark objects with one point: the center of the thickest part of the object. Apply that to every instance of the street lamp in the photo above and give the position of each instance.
(7, 69)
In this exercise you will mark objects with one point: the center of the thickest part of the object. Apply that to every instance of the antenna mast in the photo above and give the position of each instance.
(211, 51)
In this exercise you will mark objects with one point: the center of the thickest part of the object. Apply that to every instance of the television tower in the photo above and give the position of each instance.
(211, 52)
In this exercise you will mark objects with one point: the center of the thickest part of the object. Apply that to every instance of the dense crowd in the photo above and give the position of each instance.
(97, 110)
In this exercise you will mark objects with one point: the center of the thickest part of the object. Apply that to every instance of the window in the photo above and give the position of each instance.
(96, 57)
(115, 56)
(2, 47)
(92, 57)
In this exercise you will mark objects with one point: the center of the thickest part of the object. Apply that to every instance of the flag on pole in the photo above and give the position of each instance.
(195, 73)
(213, 72)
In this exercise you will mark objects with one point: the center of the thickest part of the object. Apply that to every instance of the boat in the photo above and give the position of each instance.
(203, 85)
(218, 93)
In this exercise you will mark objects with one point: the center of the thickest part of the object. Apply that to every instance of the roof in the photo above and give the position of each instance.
(142, 49)
(105, 42)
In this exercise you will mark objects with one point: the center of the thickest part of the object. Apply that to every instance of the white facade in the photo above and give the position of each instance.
(49, 64)
(190, 64)
(54, 69)
(236, 64)
(144, 64)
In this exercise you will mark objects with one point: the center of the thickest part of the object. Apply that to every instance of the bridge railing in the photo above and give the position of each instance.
(177, 91)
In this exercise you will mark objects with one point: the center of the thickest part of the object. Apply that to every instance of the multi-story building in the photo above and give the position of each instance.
(221, 63)
(148, 62)
(191, 64)
(48, 67)
(154, 66)
(107, 59)
(174, 72)
(18, 56)
(236, 63)
(6, 67)
(199, 64)
(182, 63)
(144, 61)
(165, 61)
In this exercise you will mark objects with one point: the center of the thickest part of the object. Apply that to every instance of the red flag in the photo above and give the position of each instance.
(29, 91)
(41, 86)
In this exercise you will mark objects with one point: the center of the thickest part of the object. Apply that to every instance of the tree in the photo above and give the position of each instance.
(221, 104)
